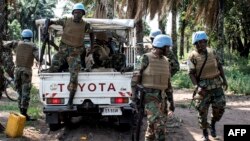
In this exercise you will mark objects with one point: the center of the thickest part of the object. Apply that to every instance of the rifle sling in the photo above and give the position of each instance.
(198, 77)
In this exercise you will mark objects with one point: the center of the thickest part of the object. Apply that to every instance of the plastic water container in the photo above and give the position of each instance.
(15, 125)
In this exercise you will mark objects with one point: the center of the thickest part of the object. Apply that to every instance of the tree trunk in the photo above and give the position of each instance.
(104, 9)
(162, 24)
(221, 30)
(188, 47)
(174, 33)
(3, 12)
(109, 9)
(183, 27)
(3, 5)
(131, 10)
(139, 34)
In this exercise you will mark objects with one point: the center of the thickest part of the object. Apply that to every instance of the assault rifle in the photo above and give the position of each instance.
(46, 42)
(45, 39)
(139, 112)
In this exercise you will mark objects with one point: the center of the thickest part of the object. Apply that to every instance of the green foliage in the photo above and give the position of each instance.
(35, 108)
(9, 106)
(146, 28)
(238, 82)
(237, 73)
(14, 30)
(181, 80)
(26, 12)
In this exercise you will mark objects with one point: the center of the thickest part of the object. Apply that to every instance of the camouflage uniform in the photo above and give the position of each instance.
(175, 66)
(156, 118)
(116, 61)
(213, 86)
(69, 55)
(7, 61)
(7, 57)
(23, 74)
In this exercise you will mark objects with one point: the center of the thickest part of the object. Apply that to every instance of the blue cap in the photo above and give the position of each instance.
(199, 35)
(154, 33)
(162, 40)
(27, 33)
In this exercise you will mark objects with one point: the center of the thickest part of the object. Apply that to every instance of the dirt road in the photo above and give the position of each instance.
(88, 129)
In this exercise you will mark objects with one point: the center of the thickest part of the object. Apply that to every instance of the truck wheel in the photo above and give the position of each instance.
(54, 127)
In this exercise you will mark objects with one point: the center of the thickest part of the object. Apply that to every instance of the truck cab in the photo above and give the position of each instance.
(104, 93)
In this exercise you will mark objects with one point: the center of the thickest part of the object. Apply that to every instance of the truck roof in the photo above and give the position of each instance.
(99, 24)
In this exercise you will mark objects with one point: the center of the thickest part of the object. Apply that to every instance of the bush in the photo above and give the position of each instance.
(238, 82)
(181, 80)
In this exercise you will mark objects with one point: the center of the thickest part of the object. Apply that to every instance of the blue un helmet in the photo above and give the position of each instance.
(199, 35)
(27, 33)
(162, 40)
(154, 33)
(79, 6)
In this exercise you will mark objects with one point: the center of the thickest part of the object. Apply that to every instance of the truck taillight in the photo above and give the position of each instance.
(55, 100)
(119, 100)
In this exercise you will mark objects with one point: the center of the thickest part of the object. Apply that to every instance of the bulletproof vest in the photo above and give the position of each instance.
(24, 54)
(73, 33)
(210, 69)
(157, 73)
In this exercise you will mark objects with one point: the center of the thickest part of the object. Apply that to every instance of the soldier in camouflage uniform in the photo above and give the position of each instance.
(154, 75)
(71, 47)
(175, 66)
(7, 61)
(7, 57)
(209, 83)
(105, 56)
(100, 50)
(26, 51)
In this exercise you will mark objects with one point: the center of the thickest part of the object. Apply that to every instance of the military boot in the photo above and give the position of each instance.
(205, 135)
(70, 102)
(212, 129)
(24, 112)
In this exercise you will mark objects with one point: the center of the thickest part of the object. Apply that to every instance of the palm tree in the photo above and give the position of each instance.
(3, 7)
(183, 24)
(3, 13)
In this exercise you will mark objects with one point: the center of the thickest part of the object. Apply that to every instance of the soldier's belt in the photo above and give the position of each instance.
(151, 90)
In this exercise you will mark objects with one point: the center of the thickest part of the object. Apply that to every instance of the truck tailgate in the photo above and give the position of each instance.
(97, 86)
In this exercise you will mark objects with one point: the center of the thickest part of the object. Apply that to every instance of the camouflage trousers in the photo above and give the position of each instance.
(156, 118)
(23, 77)
(116, 61)
(68, 56)
(216, 98)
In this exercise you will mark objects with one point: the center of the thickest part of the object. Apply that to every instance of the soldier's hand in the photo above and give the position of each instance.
(225, 85)
(170, 113)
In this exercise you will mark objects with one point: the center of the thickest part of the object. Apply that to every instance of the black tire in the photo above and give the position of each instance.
(54, 127)
(10, 92)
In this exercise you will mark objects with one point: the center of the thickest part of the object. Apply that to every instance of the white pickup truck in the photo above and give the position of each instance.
(99, 94)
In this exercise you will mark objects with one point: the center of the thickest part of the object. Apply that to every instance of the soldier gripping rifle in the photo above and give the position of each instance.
(197, 88)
